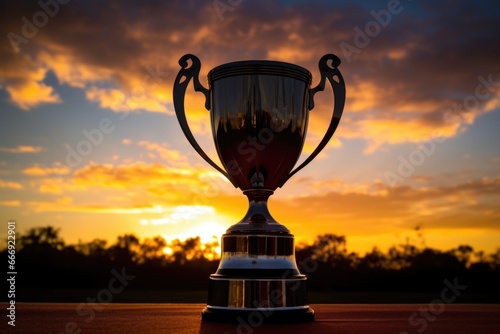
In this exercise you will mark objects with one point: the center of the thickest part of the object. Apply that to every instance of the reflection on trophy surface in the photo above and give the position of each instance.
(259, 112)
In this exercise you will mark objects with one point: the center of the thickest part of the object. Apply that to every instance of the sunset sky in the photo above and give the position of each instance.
(89, 142)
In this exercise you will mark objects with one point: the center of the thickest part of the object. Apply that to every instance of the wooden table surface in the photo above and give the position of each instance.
(185, 318)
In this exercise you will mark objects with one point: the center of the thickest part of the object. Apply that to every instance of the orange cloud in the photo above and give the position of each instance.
(36, 170)
(32, 94)
(10, 185)
(352, 209)
(56, 186)
(69, 69)
(65, 204)
(173, 157)
(135, 188)
(389, 118)
(22, 77)
(395, 131)
(61, 204)
(288, 54)
(159, 182)
(151, 182)
(118, 100)
(10, 203)
(22, 149)
(338, 185)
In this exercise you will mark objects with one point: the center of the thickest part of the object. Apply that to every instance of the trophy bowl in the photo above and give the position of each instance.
(259, 112)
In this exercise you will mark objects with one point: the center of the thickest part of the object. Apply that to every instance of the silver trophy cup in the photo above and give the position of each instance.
(259, 112)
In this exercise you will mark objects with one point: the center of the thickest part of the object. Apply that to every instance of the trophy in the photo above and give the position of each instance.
(259, 111)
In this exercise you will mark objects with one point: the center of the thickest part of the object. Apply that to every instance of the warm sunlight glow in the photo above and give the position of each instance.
(167, 250)
(207, 231)
(187, 221)
(178, 214)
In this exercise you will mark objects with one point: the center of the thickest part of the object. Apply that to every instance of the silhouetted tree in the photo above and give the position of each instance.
(401, 256)
(42, 238)
(432, 260)
(495, 260)
(125, 250)
(302, 252)
(94, 248)
(188, 263)
(331, 248)
(374, 259)
(152, 251)
(463, 254)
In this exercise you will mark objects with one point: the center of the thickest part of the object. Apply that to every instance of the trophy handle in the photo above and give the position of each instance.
(328, 68)
(186, 73)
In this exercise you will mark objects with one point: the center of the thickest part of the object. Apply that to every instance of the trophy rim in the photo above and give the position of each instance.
(260, 67)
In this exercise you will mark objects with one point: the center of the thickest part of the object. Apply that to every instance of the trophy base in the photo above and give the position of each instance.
(257, 282)
(255, 317)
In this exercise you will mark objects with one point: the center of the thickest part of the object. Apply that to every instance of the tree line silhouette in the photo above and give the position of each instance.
(46, 263)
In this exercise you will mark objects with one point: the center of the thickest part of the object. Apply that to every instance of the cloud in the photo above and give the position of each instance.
(22, 149)
(118, 100)
(30, 94)
(56, 186)
(10, 203)
(172, 157)
(158, 179)
(138, 183)
(69, 69)
(10, 185)
(398, 130)
(365, 209)
(66, 204)
(36, 170)
(134, 188)
(61, 204)
(398, 87)
(23, 77)
(339, 186)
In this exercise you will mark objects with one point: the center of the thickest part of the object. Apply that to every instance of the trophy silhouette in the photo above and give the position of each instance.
(259, 113)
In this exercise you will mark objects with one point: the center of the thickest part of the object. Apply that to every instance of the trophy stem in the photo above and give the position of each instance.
(258, 219)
